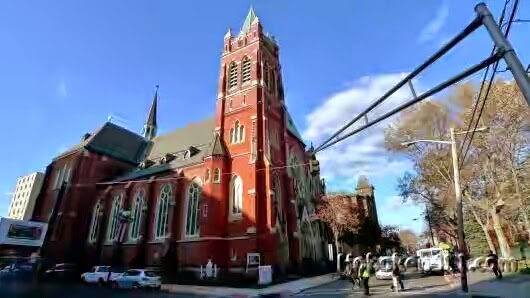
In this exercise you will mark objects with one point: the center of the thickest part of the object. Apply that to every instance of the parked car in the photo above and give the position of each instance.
(64, 272)
(138, 278)
(100, 275)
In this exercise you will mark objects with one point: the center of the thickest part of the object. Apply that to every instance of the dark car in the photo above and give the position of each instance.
(64, 272)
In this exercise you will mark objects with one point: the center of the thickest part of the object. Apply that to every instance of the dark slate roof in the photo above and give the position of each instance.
(114, 141)
(291, 127)
(199, 135)
(118, 142)
(194, 134)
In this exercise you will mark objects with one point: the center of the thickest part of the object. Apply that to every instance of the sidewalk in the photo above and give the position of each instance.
(288, 288)
(511, 286)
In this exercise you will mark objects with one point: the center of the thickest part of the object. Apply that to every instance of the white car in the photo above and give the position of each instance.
(99, 274)
(138, 278)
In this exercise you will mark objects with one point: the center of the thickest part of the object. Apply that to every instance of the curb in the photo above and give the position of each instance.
(254, 292)
(314, 287)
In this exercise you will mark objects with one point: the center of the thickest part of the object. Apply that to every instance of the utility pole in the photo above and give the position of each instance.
(459, 213)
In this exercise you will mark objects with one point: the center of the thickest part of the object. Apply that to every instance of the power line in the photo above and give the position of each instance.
(495, 66)
(476, 23)
(482, 84)
(470, 71)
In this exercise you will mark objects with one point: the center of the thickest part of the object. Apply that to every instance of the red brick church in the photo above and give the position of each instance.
(229, 187)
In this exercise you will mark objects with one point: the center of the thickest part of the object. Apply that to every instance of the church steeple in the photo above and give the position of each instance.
(149, 130)
(249, 20)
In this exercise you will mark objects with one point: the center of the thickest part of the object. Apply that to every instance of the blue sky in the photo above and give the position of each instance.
(65, 66)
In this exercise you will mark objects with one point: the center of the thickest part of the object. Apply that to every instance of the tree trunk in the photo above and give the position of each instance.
(501, 238)
(520, 198)
(336, 236)
(484, 228)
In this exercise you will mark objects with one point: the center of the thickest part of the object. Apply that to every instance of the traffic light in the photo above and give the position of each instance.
(314, 166)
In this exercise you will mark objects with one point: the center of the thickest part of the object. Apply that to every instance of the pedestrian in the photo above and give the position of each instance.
(364, 273)
(493, 262)
(355, 281)
(397, 281)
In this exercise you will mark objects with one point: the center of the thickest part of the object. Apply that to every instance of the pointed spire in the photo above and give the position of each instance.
(217, 147)
(149, 131)
(228, 33)
(249, 20)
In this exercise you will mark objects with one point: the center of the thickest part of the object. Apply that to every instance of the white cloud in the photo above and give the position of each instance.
(406, 215)
(431, 30)
(8, 193)
(363, 153)
(61, 89)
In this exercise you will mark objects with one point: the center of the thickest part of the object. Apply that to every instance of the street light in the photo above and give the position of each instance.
(458, 195)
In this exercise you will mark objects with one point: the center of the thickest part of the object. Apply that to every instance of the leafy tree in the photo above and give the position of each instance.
(408, 239)
(494, 176)
(390, 237)
(340, 213)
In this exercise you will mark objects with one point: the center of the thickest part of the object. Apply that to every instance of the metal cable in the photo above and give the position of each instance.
(510, 21)
(482, 84)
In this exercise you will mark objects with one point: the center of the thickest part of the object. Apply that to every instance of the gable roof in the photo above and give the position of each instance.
(114, 141)
(118, 142)
(198, 135)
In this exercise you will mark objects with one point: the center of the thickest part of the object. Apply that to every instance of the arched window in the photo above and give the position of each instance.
(112, 230)
(232, 75)
(245, 70)
(236, 196)
(192, 215)
(162, 211)
(95, 222)
(138, 204)
(217, 175)
(237, 133)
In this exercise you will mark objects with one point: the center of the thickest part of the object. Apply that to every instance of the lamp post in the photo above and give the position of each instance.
(458, 196)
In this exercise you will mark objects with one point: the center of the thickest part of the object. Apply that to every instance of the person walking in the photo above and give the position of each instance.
(397, 281)
(364, 273)
(493, 262)
(355, 281)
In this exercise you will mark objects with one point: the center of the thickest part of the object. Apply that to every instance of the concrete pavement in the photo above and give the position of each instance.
(481, 285)
(288, 288)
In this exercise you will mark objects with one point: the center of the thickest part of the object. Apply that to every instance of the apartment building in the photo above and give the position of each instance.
(25, 195)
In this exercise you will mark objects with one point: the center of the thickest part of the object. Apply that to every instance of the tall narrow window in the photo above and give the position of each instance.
(138, 204)
(232, 75)
(237, 133)
(217, 175)
(161, 227)
(58, 176)
(236, 196)
(95, 222)
(192, 215)
(112, 230)
(68, 173)
(245, 72)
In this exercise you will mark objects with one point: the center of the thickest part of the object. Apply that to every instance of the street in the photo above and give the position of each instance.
(24, 290)
(414, 282)
(415, 285)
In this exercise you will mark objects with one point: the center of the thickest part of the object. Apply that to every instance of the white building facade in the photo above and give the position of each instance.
(25, 195)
